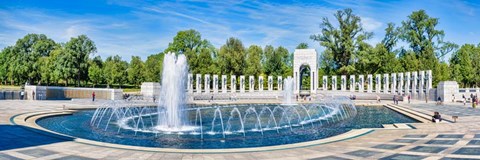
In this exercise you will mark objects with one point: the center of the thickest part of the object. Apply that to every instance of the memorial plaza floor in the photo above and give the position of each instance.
(460, 140)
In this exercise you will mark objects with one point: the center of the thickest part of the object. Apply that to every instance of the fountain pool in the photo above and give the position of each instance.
(79, 125)
(173, 124)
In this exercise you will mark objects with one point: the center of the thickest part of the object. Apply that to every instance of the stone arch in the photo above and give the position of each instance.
(305, 57)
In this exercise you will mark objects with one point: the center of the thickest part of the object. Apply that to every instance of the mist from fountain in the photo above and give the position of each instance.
(288, 91)
(172, 94)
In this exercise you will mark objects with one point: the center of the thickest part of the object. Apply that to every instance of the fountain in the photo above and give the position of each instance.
(172, 118)
(288, 91)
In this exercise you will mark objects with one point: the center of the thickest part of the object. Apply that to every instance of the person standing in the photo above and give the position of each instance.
(22, 94)
(93, 96)
(464, 99)
(409, 98)
(33, 95)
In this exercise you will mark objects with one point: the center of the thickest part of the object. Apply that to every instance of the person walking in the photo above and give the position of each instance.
(93, 96)
(33, 95)
(409, 98)
(22, 94)
(464, 99)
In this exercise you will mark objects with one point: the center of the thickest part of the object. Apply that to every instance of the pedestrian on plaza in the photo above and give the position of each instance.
(453, 97)
(409, 98)
(436, 117)
(474, 99)
(33, 95)
(93, 96)
(378, 98)
(464, 99)
(21, 95)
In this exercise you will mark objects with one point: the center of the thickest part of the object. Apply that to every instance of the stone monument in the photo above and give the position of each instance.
(369, 83)
(199, 83)
(207, 83)
(190, 83)
(378, 83)
(279, 83)
(260, 83)
(233, 83)
(270, 83)
(394, 83)
(215, 83)
(224, 83)
(334, 83)
(324, 83)
(385, 83)
(361, 85)
(352, 83)
(242, 84)
(251, 83)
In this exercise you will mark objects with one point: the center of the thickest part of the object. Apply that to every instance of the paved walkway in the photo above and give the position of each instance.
(428, 141)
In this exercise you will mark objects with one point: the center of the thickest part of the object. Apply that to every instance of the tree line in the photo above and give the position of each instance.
(37, 59)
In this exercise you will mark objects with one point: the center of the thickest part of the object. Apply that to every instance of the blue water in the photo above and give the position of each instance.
(78, 125)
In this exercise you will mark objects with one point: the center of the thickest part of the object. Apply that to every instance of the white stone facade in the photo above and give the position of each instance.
(305, 57)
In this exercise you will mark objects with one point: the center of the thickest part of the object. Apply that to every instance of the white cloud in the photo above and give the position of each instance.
(370, 24)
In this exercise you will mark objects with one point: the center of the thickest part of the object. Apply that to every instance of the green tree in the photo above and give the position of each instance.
(6, 59)
(302, 46)
(95, 71)
(462, 67)
(27, 51)
(419, 30)
(79, 49)
(115, 70)
(135, 71)
(153, 67)
(275, 61)
(190, 43)
(254, 64)
(342, 42)
(231, 58)
(391, 37)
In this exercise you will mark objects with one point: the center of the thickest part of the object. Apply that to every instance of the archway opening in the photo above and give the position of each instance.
(305, 78)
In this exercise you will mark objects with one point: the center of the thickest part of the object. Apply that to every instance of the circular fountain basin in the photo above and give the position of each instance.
(210, 134)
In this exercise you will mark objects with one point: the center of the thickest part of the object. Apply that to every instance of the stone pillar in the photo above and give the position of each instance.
(343, 82)
(361, 83)
(190, 83)
(385, 83)
(369, 83)
(233, 83)
(429, 77)
(400, 83)
(224, 83)
(325, 83)
(279, 83)
(421, 85)
(199, 83)
(270, 83)
(251, 83)
(207, 83)
(352, 83)
(378, 83)
(260, 83)
(215, 83)
(394, 83)
(446, 90)
(414, 84)
(242, 84)
(408, 81)
(334, 83)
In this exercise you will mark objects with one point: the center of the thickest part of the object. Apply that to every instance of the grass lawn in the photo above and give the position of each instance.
(8, 87)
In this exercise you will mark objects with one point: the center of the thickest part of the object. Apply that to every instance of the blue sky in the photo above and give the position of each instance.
(142, 28)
